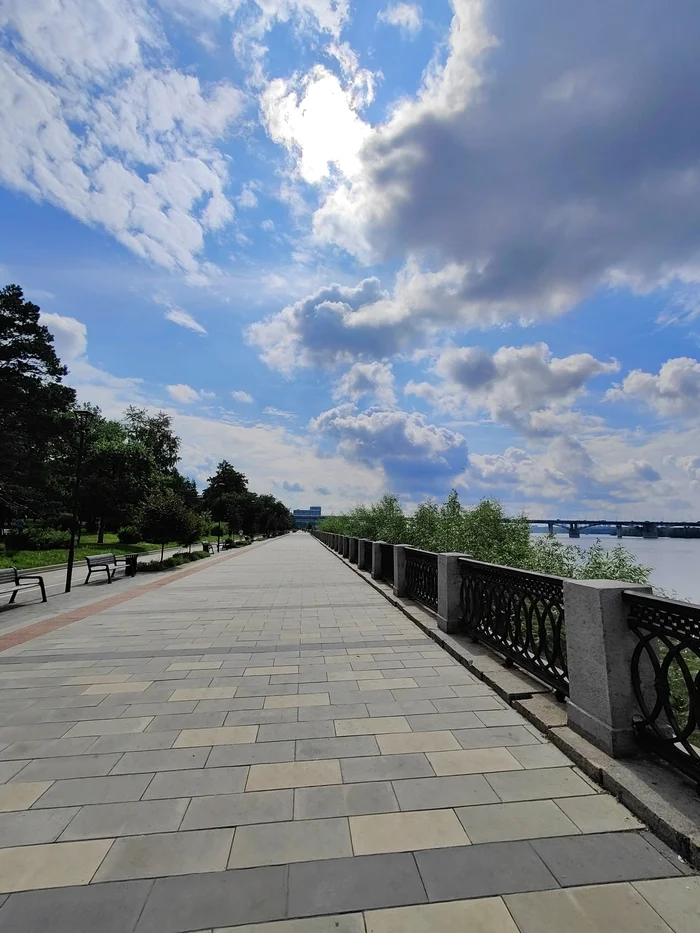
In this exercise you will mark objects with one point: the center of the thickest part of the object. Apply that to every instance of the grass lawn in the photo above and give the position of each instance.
(24, 560)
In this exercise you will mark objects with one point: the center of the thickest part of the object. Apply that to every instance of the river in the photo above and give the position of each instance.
(675, 562)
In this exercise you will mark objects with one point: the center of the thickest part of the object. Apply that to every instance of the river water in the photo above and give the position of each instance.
(675, 561)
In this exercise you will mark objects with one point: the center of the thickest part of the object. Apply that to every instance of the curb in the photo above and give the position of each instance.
(631, 781)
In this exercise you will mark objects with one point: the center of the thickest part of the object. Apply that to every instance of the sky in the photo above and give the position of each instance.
(368, 246)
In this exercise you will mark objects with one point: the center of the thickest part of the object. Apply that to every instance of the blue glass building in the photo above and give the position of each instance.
(304, 517)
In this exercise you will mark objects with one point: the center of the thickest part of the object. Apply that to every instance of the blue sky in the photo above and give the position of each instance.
(358, 246)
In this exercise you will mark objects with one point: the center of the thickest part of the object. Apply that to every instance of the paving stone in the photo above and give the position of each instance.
(108, 727)
(482, 871)
(344, 800)
(604, 857)
(8, 769)
(187, 721)
(74, 766)
(215, 899)
(438, 722)
(197, 782)
(295, 700)
(261, 716)
(339, 923)
(503, 717)
(297, 841)
(107, 908)
(473, 761)
(539, 784)
(598, 909)
(126, 819)
(21, 796)
(224, 735)
(174, 759)
(26, 868)
(403, 832)
(53, 749)
(599, 814)
(417, 742)
(28, 827)
(395, 708)
(203, 693)
(484, 915)
(454, 791)
(499, 736)
(161, 709)
(143, 742)
(541, 756)
(530, 820)
(359, 883)
(296, 730)
(165, 854)
(677, 900)
(259, 753)
(337, 711)
(347, 747)
(294, 774)
(385, 768)
(239, 809)
(131, 686)
(372, 726)
(468, 703)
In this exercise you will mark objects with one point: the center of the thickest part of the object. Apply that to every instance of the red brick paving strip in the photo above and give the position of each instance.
(30, 632)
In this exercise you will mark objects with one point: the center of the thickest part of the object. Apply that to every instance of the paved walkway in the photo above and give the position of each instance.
(266, 744)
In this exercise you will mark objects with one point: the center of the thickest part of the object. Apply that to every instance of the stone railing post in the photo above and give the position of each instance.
(346, 546)
(377, 559)
(449, 592)
(352, 550)
(364, 554)
(338, 544)
(399, 586)
(599, 648)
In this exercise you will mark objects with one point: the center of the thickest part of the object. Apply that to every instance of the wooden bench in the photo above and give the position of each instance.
(106, 562)
(12, 580)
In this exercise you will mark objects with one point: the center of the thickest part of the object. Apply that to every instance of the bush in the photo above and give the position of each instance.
(38, 539)
(129, 535)
(177, 560)
(218, 531)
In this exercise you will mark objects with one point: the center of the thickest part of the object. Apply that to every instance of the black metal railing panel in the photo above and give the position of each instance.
(387, 552)
(520, 615)
(422, 577)
(666, 678)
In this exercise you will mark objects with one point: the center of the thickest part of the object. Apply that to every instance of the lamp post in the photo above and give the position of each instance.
(83, 417)
(220, 486)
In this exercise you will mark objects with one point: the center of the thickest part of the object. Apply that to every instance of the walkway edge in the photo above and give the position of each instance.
(637, 783)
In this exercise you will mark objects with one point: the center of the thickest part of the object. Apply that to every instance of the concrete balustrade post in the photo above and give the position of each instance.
(346, 546)
(377, 559)
(364, 554)
(352, 551)
(449, 612)
(399, 586)
(599, 648)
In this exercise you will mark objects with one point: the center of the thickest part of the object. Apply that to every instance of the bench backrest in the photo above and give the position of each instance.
(100, 559)
(8, 575)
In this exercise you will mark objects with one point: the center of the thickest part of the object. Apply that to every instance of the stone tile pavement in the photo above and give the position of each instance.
(268, 746)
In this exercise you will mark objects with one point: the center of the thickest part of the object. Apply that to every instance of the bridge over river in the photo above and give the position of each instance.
(649, 529)
(263, 743)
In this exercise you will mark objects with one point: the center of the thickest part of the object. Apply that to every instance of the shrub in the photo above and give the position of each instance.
(177, 560)
(218, 531)
(129, 535)
(38, 539)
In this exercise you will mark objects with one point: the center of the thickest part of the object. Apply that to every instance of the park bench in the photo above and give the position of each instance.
(11, 580)
(109, 563)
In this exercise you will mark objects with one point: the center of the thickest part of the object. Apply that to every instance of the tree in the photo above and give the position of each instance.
(156, 434)
(164, 518)
(222, 487)
(32, 401)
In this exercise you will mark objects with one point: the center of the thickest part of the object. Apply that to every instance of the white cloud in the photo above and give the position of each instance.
(184, 319)
(407, 17)
(247, 199)
(70, 335)
(316, 121)
(94, 126)
(185, 394)
(416, 456)
(291, 487)
(540, 172)
(674, 392)
(526, 388)
(279, 413)
(373, 379)
(241, 396)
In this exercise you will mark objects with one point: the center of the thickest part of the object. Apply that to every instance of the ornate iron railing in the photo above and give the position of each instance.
(666, 678)
(422, 577)
(387, 552)
(520, 615)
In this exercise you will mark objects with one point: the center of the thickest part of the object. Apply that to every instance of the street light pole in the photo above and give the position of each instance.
(218, 527)
(83, 417)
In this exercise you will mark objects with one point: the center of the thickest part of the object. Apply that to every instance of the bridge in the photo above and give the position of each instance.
(649, 529)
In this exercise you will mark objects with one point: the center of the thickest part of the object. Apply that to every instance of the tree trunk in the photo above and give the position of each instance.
(162, 549)
(80, 531)
(101, 532)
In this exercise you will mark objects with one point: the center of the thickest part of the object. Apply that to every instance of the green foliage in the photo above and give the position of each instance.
(164, 518)
(177, 560)
(129, 535)
(37, 539)
(154, 432)
(486, 533)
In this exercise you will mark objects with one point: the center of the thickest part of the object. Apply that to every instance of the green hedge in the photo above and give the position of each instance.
(177, 560)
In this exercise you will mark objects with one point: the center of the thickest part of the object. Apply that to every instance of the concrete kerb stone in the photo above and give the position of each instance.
(668, 822)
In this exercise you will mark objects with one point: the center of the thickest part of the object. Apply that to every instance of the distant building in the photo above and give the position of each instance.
(304, 517)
